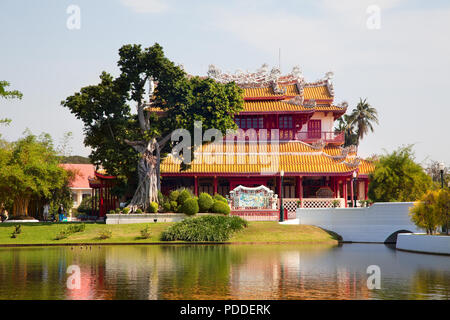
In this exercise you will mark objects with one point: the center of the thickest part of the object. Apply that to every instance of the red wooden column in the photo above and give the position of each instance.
(352, 191)
(366, 188)
(344, 187)
(215, 184)
(196, 185)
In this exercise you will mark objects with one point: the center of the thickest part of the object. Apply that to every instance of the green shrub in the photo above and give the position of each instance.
(218, 197)
(126, 210)
(117, 210)
(184, 195)
(161, 198)
(18, 229)
(166, 206)
(74, 228)
(205, 228)
(63, 234)
(173, 196)
(174, 206)
(190, 207)
(220, 207)
(145, 233)
(205, 202)
(138, 211)
(153, 208)
(111, 212)
(104, 234)
(86, 205)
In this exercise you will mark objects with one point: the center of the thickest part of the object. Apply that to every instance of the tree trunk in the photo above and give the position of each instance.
(148, 169)
(20, 206)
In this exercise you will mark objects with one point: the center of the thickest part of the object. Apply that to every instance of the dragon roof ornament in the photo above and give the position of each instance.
(262, 77)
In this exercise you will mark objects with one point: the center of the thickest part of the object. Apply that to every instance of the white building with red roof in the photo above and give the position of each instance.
(80, 185)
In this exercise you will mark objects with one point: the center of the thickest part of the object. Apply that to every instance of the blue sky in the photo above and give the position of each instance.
(402, 68)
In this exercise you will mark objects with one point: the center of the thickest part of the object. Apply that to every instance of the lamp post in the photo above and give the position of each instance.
(281, 197)
(354, 189)
(441, 170)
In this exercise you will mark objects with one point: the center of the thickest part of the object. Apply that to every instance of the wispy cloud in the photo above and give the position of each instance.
(146, 6)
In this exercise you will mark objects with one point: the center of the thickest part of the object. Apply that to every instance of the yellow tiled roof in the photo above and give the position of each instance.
(316, 93)
(293, 157)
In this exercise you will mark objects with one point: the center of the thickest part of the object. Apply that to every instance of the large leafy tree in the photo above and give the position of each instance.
(397, 177)
(121, 139)
(29, 169)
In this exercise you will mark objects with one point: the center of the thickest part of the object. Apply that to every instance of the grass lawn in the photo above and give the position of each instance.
(257, 232)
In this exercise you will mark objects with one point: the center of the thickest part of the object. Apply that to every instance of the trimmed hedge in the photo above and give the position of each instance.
(205, 202)
(184, 195)
(153, 208)
(190, 207)
(218, 197)
(173, 196)
(205, 228)
(220, 207)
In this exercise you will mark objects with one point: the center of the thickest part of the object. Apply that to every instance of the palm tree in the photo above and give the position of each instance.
(345, 124)
(362, 117)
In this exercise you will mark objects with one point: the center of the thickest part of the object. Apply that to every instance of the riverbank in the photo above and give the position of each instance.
(257, 233)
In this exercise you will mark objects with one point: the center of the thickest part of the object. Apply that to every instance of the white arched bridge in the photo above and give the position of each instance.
(379, 223)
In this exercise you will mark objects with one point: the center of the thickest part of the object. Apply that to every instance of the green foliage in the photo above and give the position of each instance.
(69, 230)
(173, 196)
(138, 211)
(335, 203)
(75, 159)
(398, 178)
(104, 234)
(86, 205)
(18, 229)
(362, 118)
(174, 206)
(109, 124)
(218, 197)
(13, 94)
(145, 233)
(205, 202)
(190, 207)
(166, 206)
(205, 228)
(126, 210)
(29, 168)
(161, 198)
(220, 207)
(185, 194)
(117, 210)
(111, 212)
(153, 208)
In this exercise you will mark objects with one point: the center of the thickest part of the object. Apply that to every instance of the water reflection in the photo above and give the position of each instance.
(222, 272)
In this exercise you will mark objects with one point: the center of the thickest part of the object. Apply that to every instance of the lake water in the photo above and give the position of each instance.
(222, 272)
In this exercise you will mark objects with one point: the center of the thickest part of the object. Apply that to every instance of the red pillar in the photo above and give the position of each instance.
(300, 189)
(215, 184)
(366, 188)
(352, 191)
(344, 187)
(196, 185)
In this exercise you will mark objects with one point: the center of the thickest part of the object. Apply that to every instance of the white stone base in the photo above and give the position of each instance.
(420, 242)
(147, 217)
(21, 221)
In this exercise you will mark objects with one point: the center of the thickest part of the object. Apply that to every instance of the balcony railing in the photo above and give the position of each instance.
(290, 134)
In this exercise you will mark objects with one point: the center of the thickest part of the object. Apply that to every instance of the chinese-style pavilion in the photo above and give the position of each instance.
(103, 199)
(318, 171)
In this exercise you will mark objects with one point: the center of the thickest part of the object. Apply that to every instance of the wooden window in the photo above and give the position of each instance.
(314, 129)
(285, 122)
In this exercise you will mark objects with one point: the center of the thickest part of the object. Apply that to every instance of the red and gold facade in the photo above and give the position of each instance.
(309, 151)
